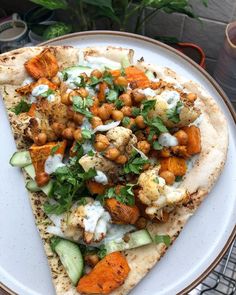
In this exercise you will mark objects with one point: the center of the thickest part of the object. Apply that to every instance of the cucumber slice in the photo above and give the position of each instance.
(20, 159)
(150, 75)
(136, 239)
(70, 257)
(32, 186)
(31, 172)
(77, 70)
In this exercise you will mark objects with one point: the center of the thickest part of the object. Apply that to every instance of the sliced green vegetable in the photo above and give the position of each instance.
(20, 159)
(135, 239)
(76, 71)
(70, 256)
(150, 75)
(31, 172)
(32, 186)
(158, 239)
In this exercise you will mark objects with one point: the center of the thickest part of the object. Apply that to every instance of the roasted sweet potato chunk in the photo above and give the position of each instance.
(134, 75)
(121, 213)
(95, 187)
(194, 139)
(43, 65)
(175, 165)
(32, 110)
(39, 154)
(107, 275)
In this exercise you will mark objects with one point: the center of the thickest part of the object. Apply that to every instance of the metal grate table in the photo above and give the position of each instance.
(222, 280)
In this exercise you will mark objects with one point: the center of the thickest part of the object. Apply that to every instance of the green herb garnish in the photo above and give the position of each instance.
(112, 96)
(102, 252)
(125, 121)
(81, 105)
(21, 107)
(136, 111)
(173, 113)
(157, 146)
(47, 93)
(135, 164)
(86, 133)
(54, 149)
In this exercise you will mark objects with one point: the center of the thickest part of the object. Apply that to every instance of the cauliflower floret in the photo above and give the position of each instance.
(99, 163)
(90, 219)
(122, 138)
(156, 194)
(167, 100)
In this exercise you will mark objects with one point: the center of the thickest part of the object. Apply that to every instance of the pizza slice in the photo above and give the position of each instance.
(117, 156)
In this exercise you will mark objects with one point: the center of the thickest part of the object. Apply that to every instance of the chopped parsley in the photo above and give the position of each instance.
(47, 93)
(157, 146)
(147, 106)
(125, 196)
(158, 239)
(135, 164)
(102, 252)
(112, 96)
(136, 111)
(125, 121)
(91, 153)
(21, 107)
(119, 104)
(86, 133)
(81, 105)
(173, 113)
(68, 186)
(54, 149)
(178, 178)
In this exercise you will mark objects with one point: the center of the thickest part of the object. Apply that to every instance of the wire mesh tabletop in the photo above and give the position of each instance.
(222, 280)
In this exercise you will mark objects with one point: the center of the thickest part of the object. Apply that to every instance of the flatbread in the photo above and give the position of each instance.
(205, 172)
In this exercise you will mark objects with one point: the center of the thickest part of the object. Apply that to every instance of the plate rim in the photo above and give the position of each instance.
(221, 93)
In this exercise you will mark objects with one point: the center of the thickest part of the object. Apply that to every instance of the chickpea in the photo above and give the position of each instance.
(144, 146)
(182, 137)
(55, 80)
(70, 113)
(41, 139)
(155, 85)
(78, 135)
(68, 133)
(78, 118)
(112, 153)
(165, 153)
(126, 99)
(58, 128)
(82, 92)
(191, 97)
(140, 122)
(127, 111)
(117, 115)
(91, 259)
(110, 107)
(96, 73)
(101, 142)
(71, 124)
(168, 176)
(42, 178)
(65, 99)
(95, 122)
(138, 96)
(122, 159)
(104, 113)
(121, 81)
(141, 223)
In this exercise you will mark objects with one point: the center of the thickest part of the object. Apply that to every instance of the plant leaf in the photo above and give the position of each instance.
(21, 107)
(52, 4)
(162, 239)
(100, 3)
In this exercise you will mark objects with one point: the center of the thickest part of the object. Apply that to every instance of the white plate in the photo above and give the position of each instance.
(203, 241)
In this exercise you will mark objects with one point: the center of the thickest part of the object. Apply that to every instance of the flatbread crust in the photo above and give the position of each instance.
(205, 172)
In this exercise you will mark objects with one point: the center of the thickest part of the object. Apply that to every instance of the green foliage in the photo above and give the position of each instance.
(83, 13)
(173, 113)
(135, 164)
(81, 105)
(52, 4)
(162, 239)
(56, 30)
